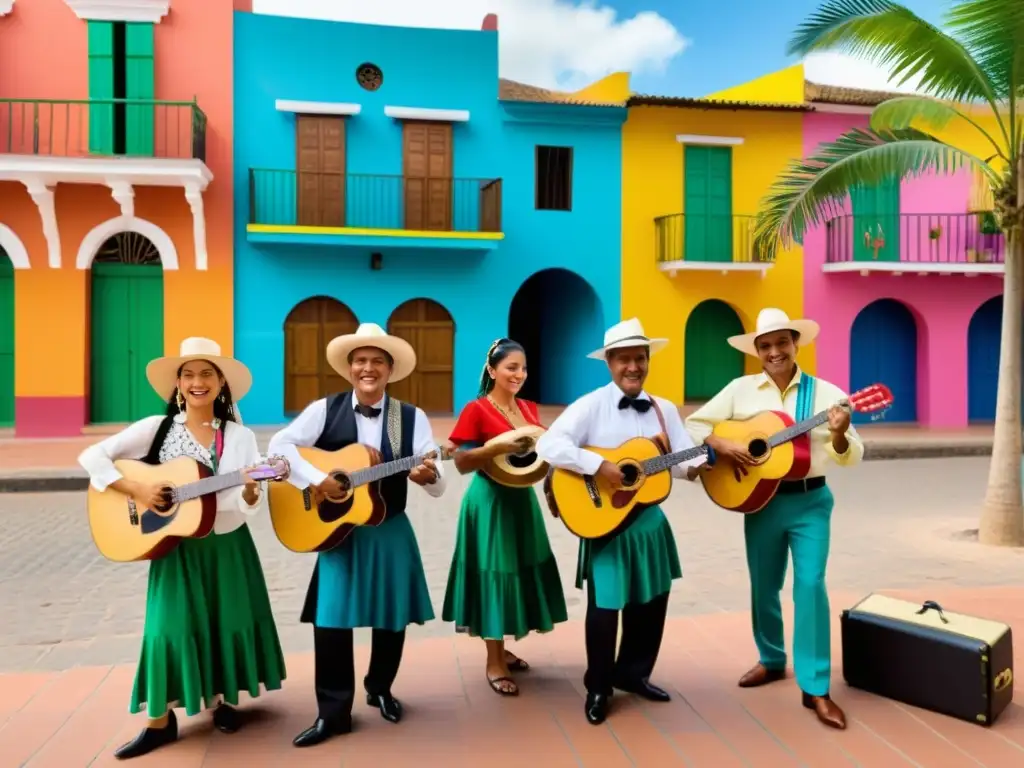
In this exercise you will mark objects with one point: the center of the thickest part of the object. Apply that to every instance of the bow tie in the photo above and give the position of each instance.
(640, 406)
(367, 410)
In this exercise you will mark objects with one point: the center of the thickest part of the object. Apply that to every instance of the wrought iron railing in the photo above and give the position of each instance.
(102, 128)
(915, 238)
(705, 238)
(365, 201)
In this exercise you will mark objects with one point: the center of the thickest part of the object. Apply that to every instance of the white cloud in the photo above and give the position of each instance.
(549, 43)
(842, 69)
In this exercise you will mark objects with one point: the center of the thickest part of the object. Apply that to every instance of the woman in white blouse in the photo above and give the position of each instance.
(209, 631)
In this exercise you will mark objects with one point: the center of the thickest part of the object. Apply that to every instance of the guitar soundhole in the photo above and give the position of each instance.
(758, 448)
(630, 475)
(522, 460)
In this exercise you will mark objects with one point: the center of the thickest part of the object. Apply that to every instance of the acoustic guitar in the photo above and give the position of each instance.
(303, 526)
(517, 470)
(125, 533)
(781, 450)
(591, 507)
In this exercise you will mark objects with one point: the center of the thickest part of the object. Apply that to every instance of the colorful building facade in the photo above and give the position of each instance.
(907, 282)
(115, 202)
(409, 186)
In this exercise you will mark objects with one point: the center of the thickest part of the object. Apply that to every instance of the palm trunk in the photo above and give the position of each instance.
(1002, 516)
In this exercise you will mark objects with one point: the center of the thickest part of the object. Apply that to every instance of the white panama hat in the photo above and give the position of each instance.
(771, 320)
(162, 373)
(628, 333)
(371, 335)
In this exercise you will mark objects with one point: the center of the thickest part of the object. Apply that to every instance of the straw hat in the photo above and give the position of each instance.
(163, 372)
(771, 320)
(371, 335)
(628, 333)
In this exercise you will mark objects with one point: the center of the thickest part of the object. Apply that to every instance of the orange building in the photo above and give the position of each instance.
(116, 199)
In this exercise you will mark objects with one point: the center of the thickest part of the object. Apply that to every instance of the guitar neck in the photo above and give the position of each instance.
(669, 460)
(388, 468)
(209, 485)
(801, 427)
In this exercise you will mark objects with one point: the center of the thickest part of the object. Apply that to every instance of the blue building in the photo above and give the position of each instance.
(387, 175)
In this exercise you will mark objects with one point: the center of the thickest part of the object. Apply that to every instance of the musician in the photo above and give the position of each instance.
(631, 572)
(503, 578)
(798, 519)
(375, 578)
(209, 632)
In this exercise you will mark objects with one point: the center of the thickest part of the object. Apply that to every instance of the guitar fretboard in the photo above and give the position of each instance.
(380, 471)
(797, 429)
(208, 485)
(669, 460)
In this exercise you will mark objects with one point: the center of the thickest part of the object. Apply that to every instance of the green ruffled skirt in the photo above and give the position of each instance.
(503, 579)
(209, 630)
(634, 567)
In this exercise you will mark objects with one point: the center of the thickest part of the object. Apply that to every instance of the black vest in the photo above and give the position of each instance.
(340, 431)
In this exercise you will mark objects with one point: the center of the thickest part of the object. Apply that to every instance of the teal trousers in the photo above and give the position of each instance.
(799, 523)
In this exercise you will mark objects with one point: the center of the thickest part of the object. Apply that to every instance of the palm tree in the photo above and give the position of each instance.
(975, 65)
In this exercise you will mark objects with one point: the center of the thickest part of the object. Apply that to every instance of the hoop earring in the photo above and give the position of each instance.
(180, 417)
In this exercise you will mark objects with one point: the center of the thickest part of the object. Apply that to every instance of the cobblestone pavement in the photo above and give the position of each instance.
(897, 524)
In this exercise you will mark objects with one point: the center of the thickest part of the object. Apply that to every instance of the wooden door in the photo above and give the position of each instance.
(320, 162)
(6, 340)
(308, 329)
(126, 332)
(427, 172)
(707, 204)
(429, 328)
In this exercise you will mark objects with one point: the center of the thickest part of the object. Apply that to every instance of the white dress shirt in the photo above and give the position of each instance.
(240, 452)
(309, 425)
(596, 420)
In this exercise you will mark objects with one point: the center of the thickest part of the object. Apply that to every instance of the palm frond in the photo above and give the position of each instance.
(928, 113)
(993, 30)
(813, 189)
(896, 38)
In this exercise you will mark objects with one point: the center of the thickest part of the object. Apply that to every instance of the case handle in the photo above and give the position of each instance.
(1003, 680)
(931, 605)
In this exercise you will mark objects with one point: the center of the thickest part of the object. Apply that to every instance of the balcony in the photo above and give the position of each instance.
(708, 243)
(942, 243)
(117, 143)
(373, 211)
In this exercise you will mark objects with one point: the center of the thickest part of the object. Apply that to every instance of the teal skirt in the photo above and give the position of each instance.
(373, 579)
(633, 567)
(209, 631)
(503, 579)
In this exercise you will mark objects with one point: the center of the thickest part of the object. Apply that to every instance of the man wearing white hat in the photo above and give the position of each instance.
(632, 571)
(798, 519)
(375, 577)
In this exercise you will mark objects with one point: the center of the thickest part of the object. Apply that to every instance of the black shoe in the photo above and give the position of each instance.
(149, 739)
(321, 731)
(390, 707)
(596, 708)
(645, 689)
(227, 719)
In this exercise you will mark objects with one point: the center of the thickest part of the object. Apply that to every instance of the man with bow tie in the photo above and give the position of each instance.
(630, 572)
(375, 577)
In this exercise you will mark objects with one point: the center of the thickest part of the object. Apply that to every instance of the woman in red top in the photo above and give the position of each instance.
(504, 579)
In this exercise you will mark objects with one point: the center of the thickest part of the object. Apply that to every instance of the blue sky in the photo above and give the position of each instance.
(671, 47)
(731, 41)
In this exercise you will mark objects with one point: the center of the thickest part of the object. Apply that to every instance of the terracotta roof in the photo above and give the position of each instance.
(510, 90)
(854, 97)
(641, 100)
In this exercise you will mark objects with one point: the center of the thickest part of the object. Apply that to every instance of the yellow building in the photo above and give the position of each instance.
(693, 174)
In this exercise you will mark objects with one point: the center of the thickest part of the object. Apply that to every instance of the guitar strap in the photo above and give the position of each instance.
(394, 426)
(805, 397)
(663, 437)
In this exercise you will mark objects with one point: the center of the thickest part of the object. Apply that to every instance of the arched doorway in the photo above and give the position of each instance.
(984, 335)
(308, 329)
(127, 328)
(709, 362)
(557, 317)
(430, 329)
(6, 340)
(883, 349)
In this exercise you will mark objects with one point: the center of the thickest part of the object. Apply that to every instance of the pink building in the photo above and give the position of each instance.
(907, 284)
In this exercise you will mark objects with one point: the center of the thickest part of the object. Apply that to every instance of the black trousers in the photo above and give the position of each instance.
(643, 627)
(336, 674)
